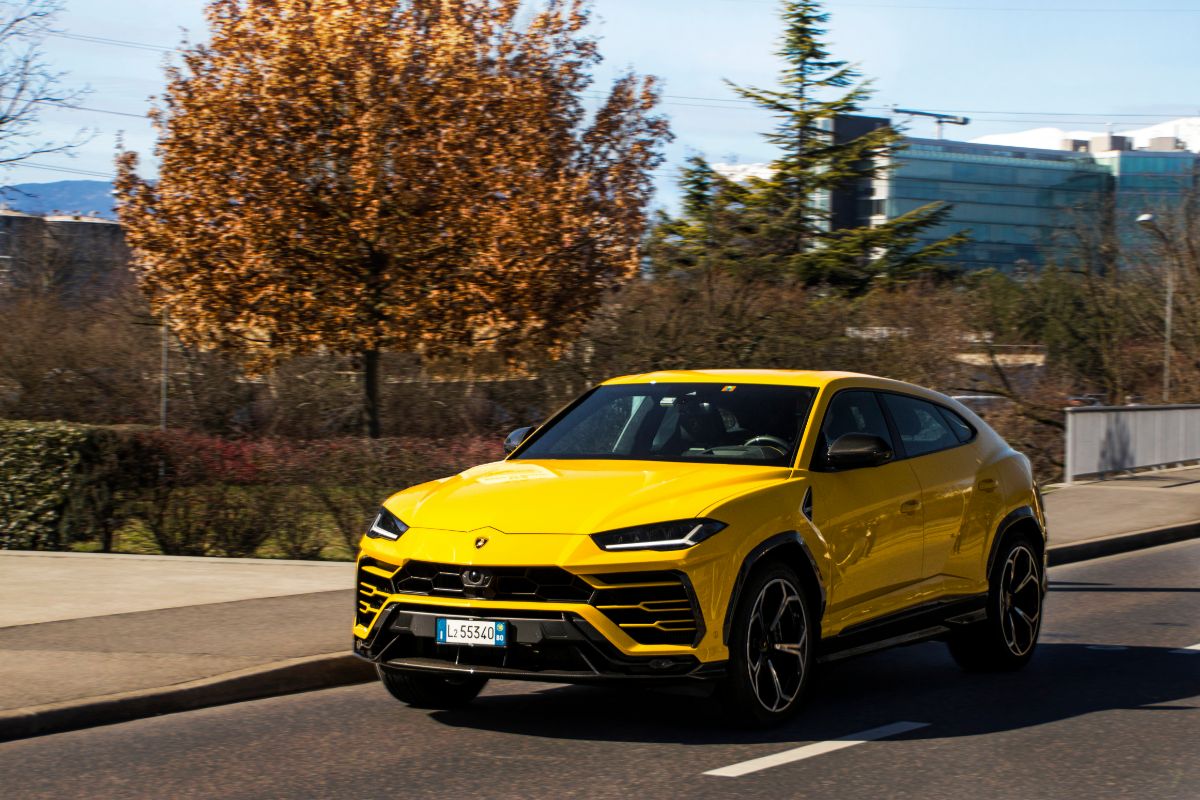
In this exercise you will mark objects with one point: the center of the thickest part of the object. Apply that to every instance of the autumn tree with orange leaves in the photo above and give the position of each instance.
(422, 176)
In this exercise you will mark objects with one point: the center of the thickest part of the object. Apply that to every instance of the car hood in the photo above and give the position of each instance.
(574, 496)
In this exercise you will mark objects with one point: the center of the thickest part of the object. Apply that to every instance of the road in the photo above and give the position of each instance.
(1109, 708)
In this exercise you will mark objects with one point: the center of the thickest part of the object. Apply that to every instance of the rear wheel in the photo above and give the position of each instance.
(429, 690)
(770, 649)
(1006, 639)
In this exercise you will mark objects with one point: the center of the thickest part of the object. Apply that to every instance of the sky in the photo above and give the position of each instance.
(1007, 64)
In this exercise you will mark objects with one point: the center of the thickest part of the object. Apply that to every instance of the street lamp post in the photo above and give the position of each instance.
(1148, 222)
(164, 379)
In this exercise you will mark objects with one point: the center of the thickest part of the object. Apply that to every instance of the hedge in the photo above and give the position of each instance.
(60, 482)
(192, 494)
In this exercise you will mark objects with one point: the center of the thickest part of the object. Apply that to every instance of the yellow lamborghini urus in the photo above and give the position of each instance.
(729, 526)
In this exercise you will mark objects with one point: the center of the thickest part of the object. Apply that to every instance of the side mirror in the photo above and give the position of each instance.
(514, 439)
(854, 450)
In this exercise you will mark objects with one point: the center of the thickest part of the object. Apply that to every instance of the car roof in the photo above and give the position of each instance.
(816, 379)
(779, 377)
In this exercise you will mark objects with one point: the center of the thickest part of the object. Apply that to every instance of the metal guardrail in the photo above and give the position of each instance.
(1104, 439)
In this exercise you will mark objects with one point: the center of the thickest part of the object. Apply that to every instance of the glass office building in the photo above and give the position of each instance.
(1147, 182)
(1021, 206)
(1027, 207)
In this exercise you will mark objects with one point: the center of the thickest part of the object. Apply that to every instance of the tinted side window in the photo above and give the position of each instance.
(961, 429)
(920, 425)
(851, 412)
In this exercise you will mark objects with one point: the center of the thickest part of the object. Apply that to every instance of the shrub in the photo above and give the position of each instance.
(194, 494)
(208, 496)
(350, 478)
(62, 482)
(222, 519)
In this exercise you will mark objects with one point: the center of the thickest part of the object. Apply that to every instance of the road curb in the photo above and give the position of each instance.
(284, 677)
(1121, 543)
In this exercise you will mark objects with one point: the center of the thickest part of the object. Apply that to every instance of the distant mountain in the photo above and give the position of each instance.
(1186, 129)
(61, 197)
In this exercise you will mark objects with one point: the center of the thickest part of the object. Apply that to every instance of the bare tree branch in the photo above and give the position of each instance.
(27, 83)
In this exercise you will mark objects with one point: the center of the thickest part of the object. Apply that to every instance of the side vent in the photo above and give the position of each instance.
(374, 586)
(650, 607)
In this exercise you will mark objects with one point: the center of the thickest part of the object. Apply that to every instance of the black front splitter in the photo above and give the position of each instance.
(563, 648)
(433, 665)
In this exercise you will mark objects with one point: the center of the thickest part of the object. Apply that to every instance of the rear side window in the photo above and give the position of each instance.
(921, 425)
(962, 430)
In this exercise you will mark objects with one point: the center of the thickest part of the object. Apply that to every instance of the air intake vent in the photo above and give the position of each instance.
(374, 586)
(651, 607)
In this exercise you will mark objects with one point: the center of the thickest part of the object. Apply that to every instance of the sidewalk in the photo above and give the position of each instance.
(87, 639)
(1089, 520)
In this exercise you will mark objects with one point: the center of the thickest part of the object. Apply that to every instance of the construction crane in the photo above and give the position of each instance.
(940, 119)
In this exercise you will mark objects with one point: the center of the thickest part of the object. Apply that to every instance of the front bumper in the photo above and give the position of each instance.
(643, 614)
(547, 646)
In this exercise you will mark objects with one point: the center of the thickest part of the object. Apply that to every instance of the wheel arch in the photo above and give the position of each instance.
(790, 548)
(1021, 520)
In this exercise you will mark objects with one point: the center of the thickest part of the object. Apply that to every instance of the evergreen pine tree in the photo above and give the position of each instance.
(781, 225)
(704, 235)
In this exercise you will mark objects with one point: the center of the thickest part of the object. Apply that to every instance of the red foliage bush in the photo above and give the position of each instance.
(207, 495)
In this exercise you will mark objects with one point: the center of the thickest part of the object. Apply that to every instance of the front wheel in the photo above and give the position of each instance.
(1004, 641)
(429, 690)
(770, 649)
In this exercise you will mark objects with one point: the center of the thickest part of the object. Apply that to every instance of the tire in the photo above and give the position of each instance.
(1006, 639)
(771, 649)
(430, 690)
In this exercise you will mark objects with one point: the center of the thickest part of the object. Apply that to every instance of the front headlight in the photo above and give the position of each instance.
(678, 535)
(386, 526)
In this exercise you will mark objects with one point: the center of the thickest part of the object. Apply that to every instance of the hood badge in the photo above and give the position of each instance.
(480, 542)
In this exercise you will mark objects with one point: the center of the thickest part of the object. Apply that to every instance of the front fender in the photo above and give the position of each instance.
(784, 544)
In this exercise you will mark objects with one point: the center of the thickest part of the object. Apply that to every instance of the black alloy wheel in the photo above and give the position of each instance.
(771, 649)
(1006, 639)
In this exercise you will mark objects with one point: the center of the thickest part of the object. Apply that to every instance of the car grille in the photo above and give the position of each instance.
(650, 607)
(520, 584)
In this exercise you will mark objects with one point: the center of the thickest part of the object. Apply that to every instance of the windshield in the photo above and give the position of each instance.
(730, 423)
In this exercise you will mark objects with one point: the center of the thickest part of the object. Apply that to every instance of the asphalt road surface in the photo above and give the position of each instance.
(1109, 708)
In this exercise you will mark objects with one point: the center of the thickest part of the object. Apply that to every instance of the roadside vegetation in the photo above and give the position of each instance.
(339, 326)
(136, 489)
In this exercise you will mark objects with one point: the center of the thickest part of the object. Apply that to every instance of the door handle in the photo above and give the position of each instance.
(988, 485)
(910, 506)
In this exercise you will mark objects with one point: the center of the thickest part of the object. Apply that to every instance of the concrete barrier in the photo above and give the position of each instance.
(1107, 439)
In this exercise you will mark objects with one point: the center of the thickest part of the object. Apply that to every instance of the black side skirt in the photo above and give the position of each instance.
(928, 621)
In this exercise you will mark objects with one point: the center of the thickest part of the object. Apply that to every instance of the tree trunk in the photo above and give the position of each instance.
(371, 392)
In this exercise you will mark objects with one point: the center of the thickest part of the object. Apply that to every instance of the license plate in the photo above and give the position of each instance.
(485, 632)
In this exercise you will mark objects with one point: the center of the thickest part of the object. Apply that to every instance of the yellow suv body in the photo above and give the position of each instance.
(729, 525)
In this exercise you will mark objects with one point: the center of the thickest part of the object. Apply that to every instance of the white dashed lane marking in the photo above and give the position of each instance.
(815, 749)
(1192, 650)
